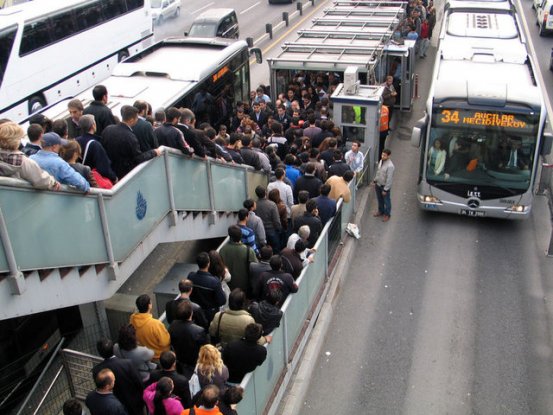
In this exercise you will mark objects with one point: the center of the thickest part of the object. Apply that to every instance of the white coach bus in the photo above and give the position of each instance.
(50, 50)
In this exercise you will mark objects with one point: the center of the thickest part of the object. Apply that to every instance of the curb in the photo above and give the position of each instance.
(297, 389)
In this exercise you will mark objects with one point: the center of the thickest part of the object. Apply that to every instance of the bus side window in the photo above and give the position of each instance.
(36, 35)
(63, 26)
(113, 8)
(89, 15)
(6, 44)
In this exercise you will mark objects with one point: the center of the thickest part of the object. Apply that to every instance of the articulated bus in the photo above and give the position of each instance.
(172, 72)
(483, 131)
(50, 50)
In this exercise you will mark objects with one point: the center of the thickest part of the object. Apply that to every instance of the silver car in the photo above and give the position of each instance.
(164, 9)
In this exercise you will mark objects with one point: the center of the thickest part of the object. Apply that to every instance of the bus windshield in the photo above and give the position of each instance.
(482, 148)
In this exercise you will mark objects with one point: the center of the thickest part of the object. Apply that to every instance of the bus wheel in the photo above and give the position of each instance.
(124, 54)
(36, 103)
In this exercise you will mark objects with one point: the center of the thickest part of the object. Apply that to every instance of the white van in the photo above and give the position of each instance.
(164, 9)
(544, 13)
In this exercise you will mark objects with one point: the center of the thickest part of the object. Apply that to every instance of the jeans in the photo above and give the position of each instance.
(384, 202)
(273, 239)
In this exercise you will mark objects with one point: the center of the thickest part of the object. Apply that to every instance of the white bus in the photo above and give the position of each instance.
(171, 72)
(50, 50)
(484, 129)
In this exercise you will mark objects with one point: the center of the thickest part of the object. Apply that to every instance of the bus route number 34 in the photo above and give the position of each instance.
(450, 117)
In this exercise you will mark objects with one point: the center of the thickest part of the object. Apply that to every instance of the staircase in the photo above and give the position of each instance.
(60, 249)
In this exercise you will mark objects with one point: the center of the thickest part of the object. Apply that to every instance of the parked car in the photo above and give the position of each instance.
(215, 23)
(544, 16)
(164, 9)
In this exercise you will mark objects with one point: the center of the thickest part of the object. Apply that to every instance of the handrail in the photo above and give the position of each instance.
(42, 374)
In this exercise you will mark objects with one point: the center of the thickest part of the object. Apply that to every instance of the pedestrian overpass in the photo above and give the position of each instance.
(60, 249)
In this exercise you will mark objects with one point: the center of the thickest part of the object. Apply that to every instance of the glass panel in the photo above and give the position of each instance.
(295, 314)
(255, 179)
(137, 208)
(229, 188)
(268, 373)
(36, 35)
(190, 184)
(484, 148)
(73, 231)
(353, 114)
(89, 16)
(63, 26)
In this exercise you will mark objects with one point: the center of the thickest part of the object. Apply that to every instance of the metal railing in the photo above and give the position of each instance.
(266, 385)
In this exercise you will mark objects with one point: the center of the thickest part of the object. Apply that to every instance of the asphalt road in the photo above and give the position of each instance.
(252, 16)
(440, 314)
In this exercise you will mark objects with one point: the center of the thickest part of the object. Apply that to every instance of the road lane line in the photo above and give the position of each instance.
(249, 8)
(294, 27)
(202, 8)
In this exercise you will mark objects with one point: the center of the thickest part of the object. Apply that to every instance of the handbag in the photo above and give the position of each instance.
(216, 340)
(194, 383)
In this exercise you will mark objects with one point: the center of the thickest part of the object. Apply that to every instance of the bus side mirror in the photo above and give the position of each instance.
(417, 132)
(547, 142)
(258, 54)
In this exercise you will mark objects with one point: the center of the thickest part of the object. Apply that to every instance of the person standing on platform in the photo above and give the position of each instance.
(150, 332)
(383, 185)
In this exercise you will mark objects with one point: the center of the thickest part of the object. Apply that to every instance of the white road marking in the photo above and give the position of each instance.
(249, 8)
(202, 8)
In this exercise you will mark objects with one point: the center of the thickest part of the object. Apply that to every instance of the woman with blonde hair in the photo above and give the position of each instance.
(13, 163)
(210, 367)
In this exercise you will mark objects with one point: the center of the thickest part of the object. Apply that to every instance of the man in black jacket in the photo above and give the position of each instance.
(129, 387)
(187, 127)
(308, 182)
(339, 166)
(198, 315)
(208, 292)
(186, 339)
(93, 152)
(310, 219)
(143, 130)
(244, 355)
(102, 113)
(169, 135)
(168, 363)
(122, 145)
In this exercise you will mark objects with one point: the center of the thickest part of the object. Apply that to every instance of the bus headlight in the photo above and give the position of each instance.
(517, 208)
(429, 199)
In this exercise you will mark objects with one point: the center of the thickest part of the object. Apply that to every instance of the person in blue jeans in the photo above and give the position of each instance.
(383, 185)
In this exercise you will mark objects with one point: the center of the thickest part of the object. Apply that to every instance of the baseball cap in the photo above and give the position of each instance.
(51, 139)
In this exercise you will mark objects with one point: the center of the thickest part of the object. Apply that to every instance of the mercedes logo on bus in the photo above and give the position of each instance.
(473, 203)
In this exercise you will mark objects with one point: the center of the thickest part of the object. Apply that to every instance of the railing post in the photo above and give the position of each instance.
(550, 249)
(169, 179)
(269, 30)
(16, 278)
(246, 183)
(299, 7)
(211, 193)
(113, 268)
(286, 18)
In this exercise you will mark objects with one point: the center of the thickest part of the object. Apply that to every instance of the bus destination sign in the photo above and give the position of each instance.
(473, 118)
